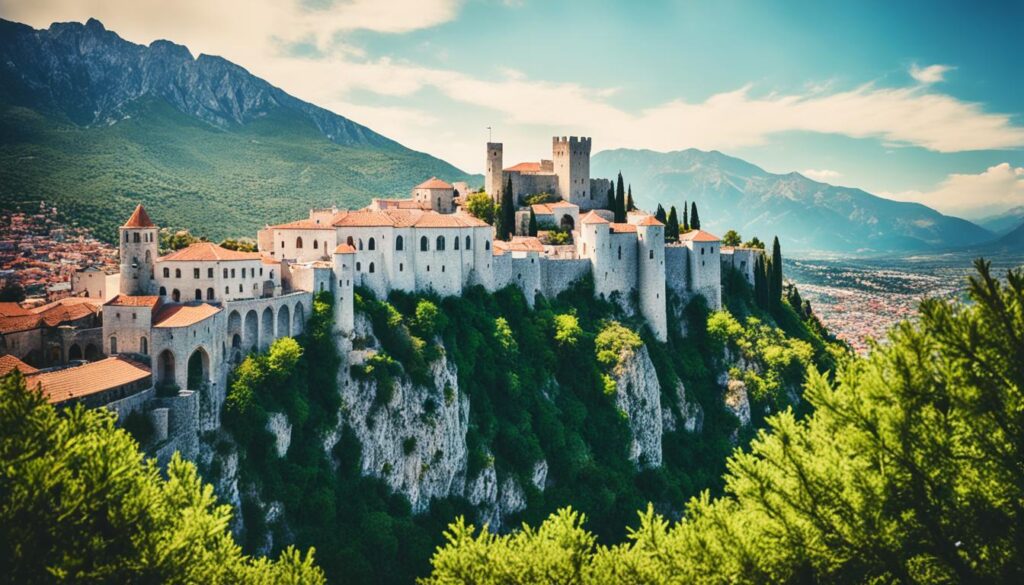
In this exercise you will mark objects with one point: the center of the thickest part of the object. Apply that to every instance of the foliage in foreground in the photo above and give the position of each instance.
(80, 504)
(907, 471)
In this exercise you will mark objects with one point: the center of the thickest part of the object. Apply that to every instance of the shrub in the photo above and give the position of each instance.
(614, 342)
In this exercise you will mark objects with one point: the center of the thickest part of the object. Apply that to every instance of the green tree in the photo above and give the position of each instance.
(79, 503)
(481, 206)
(533, 223)
(754, 243)
(731, 238)
(775, 284)
(12, 292)
(630, 206)
(694, 218)
(620, 200)
(672, 225)
(686, 218)
(760, 282)
(611, 199)
(504, 225)
(239, 245)
(659, 214)
(907, 471)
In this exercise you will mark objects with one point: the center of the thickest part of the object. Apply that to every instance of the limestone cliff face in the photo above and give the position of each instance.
(638, 394)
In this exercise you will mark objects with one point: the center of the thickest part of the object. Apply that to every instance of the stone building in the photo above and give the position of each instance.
(566, 176)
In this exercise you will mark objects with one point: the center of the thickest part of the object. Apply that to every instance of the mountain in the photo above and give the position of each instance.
(806, 215)
(95, 124)
(1005, 222)
(1012, 242)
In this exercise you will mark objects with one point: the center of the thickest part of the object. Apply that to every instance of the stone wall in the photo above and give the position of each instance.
(558, 275)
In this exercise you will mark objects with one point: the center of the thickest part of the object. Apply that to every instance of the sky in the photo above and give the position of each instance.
(917, 101)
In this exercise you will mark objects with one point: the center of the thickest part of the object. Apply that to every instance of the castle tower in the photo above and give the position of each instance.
(493, 183)
(343, 287)
(138, 239)
(651, 275)
(595, 244)
(571, 157)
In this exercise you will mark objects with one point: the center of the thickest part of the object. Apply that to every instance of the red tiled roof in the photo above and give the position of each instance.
(133, 301)
(66, 313)
(525, 167)
(302, 224)
(563, 204)
(448, 220)
(269, 259)
(344, 249)
(19, 323)
(433, 183)
(183, 315)
(9, 363)
(65, 302)
(207, 251)
(402, 204)
(650, 220)
(139, 219)
(519, 244)
(699, 236)
(623, 228)
(542, 209)
(369, 218)
(593, 217)
(75, 382)
(10, 309)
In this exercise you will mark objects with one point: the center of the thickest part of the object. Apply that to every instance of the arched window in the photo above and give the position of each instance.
(163, 291)
(113, 344)
(487, 244)
(456, 243)
(620, 252)
(440, 243)
(209, 294)
(126, 237)
(424, 244)
(468, 246)
(371, 267)
(298, 242)
(177, 273)
(136, 238)
(175, 295)
(350, 242)
(399, 243)
(360, 243)
(372, 244)
(271, 275)
(316, 245)
(144, 346)
(359, 266)
(167, 272)
(199, 295)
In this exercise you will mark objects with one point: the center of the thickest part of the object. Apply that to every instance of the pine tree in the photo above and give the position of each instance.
(686, 218)
(672, 226)
(776, 274)
(533, 223)
(694, 218)
(629, 199)
(505, 222)
(660, 214)
(620, 201)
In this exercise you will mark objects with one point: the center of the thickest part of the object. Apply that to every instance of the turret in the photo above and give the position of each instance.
(138, 239)
(651, 275)
(343, 287)
(571, 158)
(493, 175)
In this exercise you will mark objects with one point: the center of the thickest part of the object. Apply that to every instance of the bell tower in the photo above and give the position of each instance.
(138, 240)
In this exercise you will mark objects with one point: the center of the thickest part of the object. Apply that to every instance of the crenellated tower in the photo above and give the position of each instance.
(571, 157)
(139, 239)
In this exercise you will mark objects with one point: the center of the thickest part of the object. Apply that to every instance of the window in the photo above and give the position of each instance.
(372, 244)
(136, 238)
(428, 268)
(440, 243)
(271, 275)
(227, 290)
(167, 272)
(456, 243)
(298, 242)
(261, 271)
(360, 243)
(650, 254)
(175, 295)
(399, 243)
(702, 251)
(113, 344)
(225, 273)
(144, 346)
(209, 294)
(282, 244)
(239, 287)
(316, 245)
(199, 295)
(195, 273)
(487, 244)
(359, 266)
(424, 244)
(209, 273)
(620, 252)
(468, 247)
(232, 273)
(442, 268)
(177, 273)
(371, 267)
(400, 266)
(163, 291)
(243, 273)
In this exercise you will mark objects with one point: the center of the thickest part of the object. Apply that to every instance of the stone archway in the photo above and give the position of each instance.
(198, 370)
(251, 333)
(92, 353)
(284, 321)
(75, 352)
(236, 348)
(166, 373)
(234, 323)
(266, 328)
(298, 319)
(567, 223)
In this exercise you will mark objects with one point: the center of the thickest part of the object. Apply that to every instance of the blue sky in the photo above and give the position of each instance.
(912, 100)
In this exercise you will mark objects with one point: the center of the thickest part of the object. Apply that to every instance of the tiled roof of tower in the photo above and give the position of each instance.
(62, 385)
(525, 167)
(447, 220)
(139, 219)
(133, 301)
(302, 224)
(11, 309)
(623, 228)
(650, 220)
(206, 252)
(183, 315)
(699, 236)
(433, 183)
(593, 218)
(344, 249)
(9, 363)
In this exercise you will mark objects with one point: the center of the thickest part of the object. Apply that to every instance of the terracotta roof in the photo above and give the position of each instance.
(65, 302)
(448, 220)
(402, 204)
(542, 209)
(19, 323)
(699, 236)
(370, 218)
(563, 204)
(344, 249)
(139, 219)
(75, 382)
(623, 228)
(11, 309)
(65, 313)
(433, 183)
(133, 301)
(9, 363)
(207, 251)
(518, 244)
(650, 220)
(593, 217)
(525, 167)
(302, 224)
(269, 259)
(183, 315)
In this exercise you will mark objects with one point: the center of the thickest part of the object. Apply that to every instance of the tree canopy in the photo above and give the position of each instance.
(481, 206)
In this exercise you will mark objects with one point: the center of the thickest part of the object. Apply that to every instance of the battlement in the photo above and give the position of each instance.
(581, 141)
(494, 146)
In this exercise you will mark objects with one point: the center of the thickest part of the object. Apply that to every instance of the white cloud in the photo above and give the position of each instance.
(821, 175)
(997, 189)
(930, 74)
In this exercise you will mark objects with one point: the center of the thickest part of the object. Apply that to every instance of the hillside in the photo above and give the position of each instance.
(1012, 242)
(805, 214)
(1005, 222)
(97, 124)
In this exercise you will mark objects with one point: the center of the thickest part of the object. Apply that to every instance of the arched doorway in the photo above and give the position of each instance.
(198, 369)
(251, 332)
(75, 353)
(165, 368)
(266, 328)
(298, 319)
(176, 295)
(92, 353)
(567, 223)
(284, 321)
(236, 348)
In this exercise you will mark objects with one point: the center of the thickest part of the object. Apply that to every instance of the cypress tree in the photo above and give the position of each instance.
(760, 282)
(686, 218)
(533, 222)
(660, 214)
(505, 222)
(776, 273)
(694, 218)
(611, 199)
(620, 201)
(672, 226)
(629, 199)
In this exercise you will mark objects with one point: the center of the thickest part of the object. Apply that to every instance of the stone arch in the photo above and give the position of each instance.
(236, 348)
(176, 295)
(163, 291)
(234, 323)
(567, 223)
(209, 293)
(284, 321)
(92, 353)
(165, 369)
(440, 244)
(266, 328)
(371, 244)
(198, 369)
(251, 331)
(424, 244)
(298, 319)
(75, 352)
(399, 243)
(298, 242)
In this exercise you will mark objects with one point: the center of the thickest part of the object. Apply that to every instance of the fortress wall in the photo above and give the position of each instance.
(742, 259)
(615, 272)
(677, 270)
(525, 185)
(130, 404)
(558, 275)
(598, 194)
(439, 270)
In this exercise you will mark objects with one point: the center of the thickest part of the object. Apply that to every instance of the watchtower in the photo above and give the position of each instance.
(493, 183)
(571, 158)
(138, 240)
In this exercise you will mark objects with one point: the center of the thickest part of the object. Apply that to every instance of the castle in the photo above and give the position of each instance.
(179, 323)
